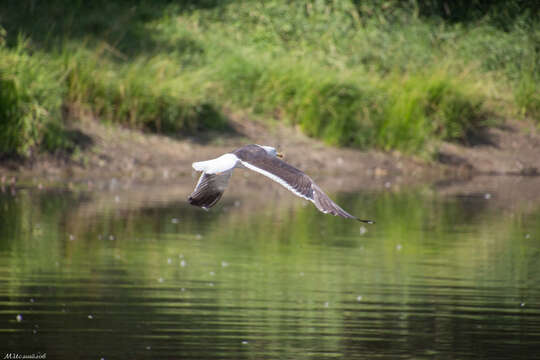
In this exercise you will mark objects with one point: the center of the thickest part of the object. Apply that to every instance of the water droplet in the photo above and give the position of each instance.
(359, 298)
(18, 317)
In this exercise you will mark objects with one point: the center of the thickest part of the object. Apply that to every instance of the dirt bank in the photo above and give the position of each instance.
(133, 157)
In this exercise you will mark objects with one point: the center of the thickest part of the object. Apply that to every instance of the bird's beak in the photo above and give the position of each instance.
(279, 155)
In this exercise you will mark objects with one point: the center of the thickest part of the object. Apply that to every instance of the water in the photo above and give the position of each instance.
(95, 275)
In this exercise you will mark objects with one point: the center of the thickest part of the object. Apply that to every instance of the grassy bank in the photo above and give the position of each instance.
(393, 76)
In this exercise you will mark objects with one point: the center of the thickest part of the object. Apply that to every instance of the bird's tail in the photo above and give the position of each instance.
(200, 165)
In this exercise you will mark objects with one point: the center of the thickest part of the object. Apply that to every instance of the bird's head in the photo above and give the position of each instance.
(272, 151)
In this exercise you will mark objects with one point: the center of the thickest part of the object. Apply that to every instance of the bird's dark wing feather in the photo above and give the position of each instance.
(293, 179)
(327, 206)
(256, 159)
(209, 189)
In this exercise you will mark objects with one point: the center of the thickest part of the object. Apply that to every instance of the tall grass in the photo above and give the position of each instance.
(149, 93)
(30, 98)
(400, 75)
(357, 108)
(527, 94)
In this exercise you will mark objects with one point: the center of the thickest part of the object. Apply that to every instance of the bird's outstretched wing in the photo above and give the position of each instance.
(209, 189)
(327, 206)
(294, 180)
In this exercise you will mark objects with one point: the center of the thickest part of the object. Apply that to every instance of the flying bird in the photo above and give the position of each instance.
(264, 160)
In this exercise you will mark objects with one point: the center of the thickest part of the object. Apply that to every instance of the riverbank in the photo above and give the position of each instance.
(131, 157)
(395, 76)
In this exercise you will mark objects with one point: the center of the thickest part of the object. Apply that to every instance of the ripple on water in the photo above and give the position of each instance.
(274, 283)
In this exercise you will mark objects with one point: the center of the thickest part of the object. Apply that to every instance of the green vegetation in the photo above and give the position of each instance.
(392, 75)
(30, 98)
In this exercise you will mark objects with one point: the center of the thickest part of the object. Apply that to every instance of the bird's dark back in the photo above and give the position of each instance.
(258, 157)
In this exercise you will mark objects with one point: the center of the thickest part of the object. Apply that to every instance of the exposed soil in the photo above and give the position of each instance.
(510, 149)
(134, 158)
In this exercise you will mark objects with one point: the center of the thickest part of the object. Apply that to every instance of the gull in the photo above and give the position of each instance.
(266, 161)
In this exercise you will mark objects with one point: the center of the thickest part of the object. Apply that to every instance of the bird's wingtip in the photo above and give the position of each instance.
(366, 221)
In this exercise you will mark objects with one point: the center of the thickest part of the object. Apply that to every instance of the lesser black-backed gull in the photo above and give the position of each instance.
(264, 160)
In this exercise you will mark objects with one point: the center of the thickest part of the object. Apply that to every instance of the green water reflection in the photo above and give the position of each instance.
(88, 275)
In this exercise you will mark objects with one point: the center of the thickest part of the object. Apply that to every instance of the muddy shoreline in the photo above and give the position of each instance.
(118, 157)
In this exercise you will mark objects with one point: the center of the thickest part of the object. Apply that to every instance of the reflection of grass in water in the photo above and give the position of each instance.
(412, 230)
(275, 268)
(268, 235)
